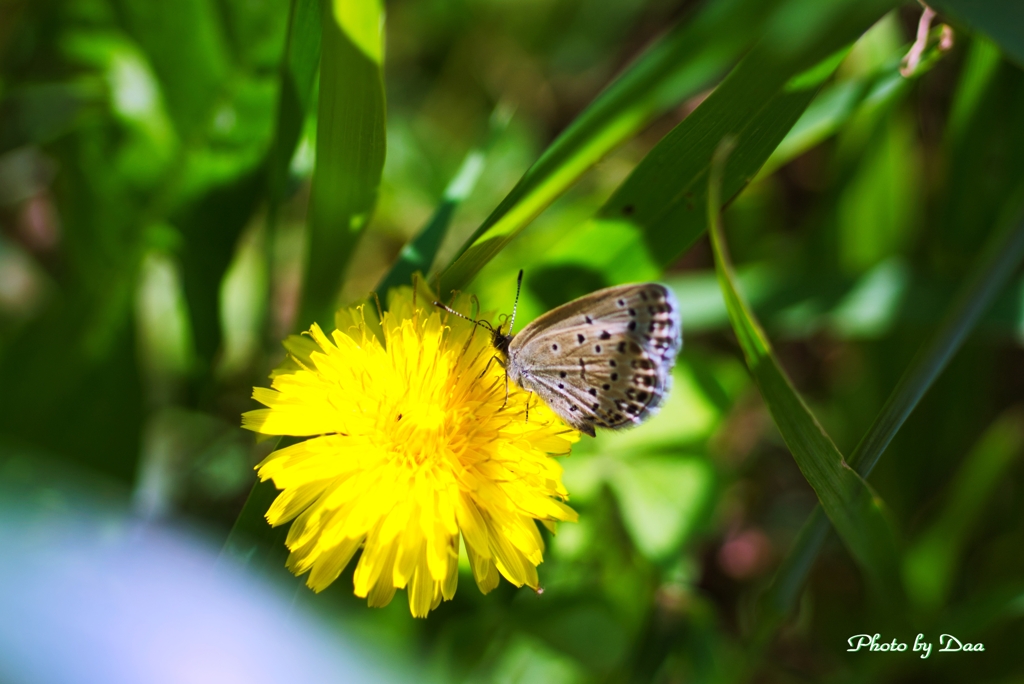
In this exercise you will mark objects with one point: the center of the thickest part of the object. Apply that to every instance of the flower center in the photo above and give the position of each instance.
(417, 433)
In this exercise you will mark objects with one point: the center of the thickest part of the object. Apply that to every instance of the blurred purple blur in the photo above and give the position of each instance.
(90, 594)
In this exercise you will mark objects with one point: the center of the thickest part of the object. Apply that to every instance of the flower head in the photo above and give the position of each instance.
(412, 443)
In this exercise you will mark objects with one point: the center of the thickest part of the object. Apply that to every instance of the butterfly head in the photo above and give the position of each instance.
(501, 340)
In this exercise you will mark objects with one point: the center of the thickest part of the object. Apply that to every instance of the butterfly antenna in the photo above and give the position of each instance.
(519, 286)
(483, 324)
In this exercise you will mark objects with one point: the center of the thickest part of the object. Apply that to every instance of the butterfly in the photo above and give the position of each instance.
(603, 360)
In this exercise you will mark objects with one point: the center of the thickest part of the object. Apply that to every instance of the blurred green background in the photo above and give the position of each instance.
(184, 184)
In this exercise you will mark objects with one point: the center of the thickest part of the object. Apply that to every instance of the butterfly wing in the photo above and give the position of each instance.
(604, 359)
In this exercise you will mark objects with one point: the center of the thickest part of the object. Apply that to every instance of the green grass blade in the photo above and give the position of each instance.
(839, 102)
(776, 603)
(990, 273)
(849, 503)
(419, 253)
(685, 62)
(252, 542)
(758, 103)
(980, 66)
(298, 79)
(350, 149)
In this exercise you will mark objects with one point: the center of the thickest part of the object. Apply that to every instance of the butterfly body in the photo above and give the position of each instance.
(603, 360)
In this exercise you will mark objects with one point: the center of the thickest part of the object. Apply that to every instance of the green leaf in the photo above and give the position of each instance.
(887, 298)
(853, 508)
(798, 304)
(1001, 20)
(687, 418)
(185, 44)
(681, 65)
(527, 659)
(991, 271)
(663, 499)
(879, 206)
(350, 148)
(663, 481)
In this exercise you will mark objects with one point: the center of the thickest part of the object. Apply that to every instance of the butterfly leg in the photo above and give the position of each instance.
(488, 366)
(528, 397)
(506, 389)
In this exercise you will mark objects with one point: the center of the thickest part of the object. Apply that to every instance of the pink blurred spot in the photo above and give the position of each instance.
(38, 223)
(745, 554)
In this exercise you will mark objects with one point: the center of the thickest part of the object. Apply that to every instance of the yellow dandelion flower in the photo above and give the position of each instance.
(412, 443)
